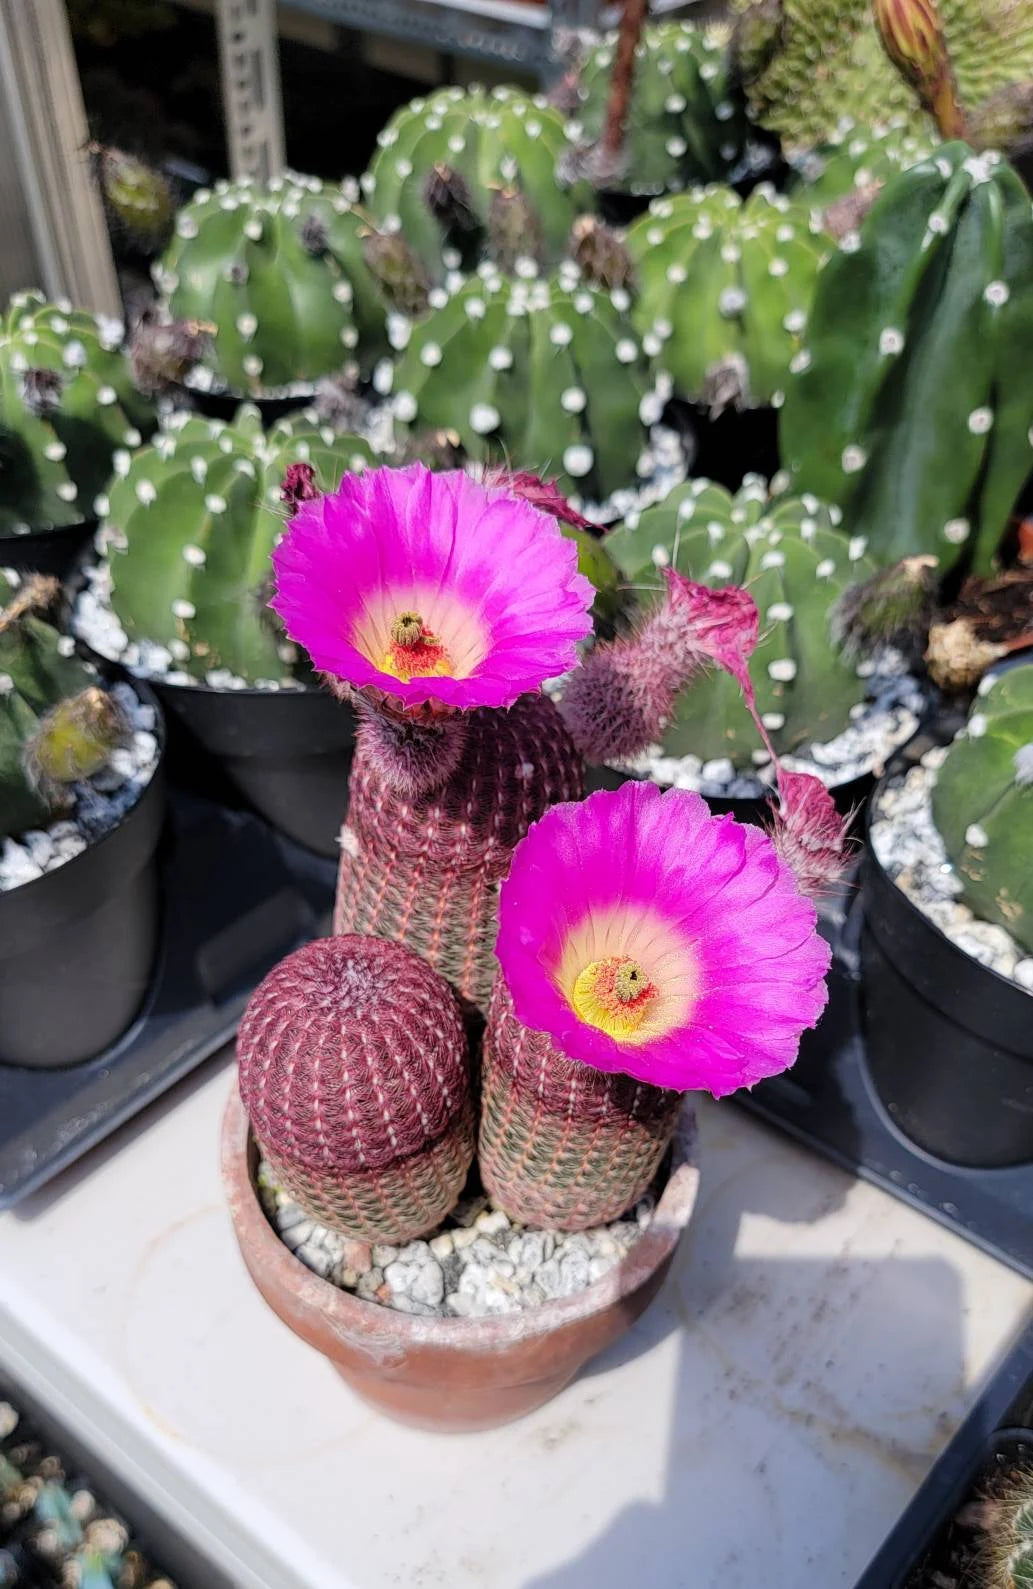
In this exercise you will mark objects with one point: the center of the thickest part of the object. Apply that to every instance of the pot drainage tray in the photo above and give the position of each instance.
(827, 1102)
(236, 898)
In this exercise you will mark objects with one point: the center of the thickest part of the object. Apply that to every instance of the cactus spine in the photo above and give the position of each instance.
(795, 565)
(983, 804)
(355, 1075)
(909, 405)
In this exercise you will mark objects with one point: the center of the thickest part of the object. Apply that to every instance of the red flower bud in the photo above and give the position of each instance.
(809, 834)
(913, 38)
(299, 485)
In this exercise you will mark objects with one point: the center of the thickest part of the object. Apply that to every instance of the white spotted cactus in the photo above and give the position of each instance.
(909, 405)
(190, 524)
(473, 171)
(723, 291)
(796, 564)
(66, 403)
(686, 121)
(547, 374)
(983, 804)
(281, 276)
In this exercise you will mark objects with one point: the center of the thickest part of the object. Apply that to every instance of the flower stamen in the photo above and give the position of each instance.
(615, 995)
(414, 652)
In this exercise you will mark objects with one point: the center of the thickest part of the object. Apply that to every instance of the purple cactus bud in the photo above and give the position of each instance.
(299, 485)
(809, 834)
(448, 198)
(41, 391)
(894, 607)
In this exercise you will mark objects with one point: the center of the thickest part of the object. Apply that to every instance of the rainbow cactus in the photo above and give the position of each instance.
(474, 170)
(354, 1071)
(546, 372)
(983, 803)
(293, 279)
(795, 564)
(687, 123)
(190, 522)
(909, 405)
(724, 290)
(57, 725)
(66, 403)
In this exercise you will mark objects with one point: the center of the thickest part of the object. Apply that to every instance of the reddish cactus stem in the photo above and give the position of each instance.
(632, 22)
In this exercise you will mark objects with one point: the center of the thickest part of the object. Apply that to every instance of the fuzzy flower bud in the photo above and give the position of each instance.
(447, 195)
(913, 38)
(404, 281)
(809, 834)
(299, 485)
(894, 607)
(514, 230)
(600, 253)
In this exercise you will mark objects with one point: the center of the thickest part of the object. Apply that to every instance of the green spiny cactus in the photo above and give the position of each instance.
(56, 724)
(281, 273)
(856, 157)
(1007, 1561)
(983, 805)
(190, 524)
(138, 200)
(830, 61)
(547, 373)
(686, 123)
(475, 170)
(910, 403)
(795, 564)
(66, 404)
(724, 289)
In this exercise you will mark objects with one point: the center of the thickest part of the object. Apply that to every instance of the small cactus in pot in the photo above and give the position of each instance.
(67, 403)
(983, 803)
(724, 288)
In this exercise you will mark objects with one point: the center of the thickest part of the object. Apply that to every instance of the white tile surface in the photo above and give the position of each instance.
(764, 1424)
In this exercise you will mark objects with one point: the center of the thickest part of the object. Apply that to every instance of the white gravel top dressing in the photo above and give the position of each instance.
(100, 802)
(478, 1264)
(909, 848)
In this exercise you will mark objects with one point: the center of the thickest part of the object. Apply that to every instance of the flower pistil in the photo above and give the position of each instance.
(414, 652)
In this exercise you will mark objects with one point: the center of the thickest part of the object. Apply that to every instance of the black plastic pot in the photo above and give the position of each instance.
(949, 1043)
(77, 945)
(224, 405)
(54, 551)
(288, 752)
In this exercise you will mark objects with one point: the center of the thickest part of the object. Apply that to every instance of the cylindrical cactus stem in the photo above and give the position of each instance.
(354, 1073)
(562, 1145)
(431, 828)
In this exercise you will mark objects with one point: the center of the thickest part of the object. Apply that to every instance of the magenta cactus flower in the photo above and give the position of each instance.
(646, 936)
(431, 588)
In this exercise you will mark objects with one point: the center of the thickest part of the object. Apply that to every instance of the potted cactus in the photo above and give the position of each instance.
(181, 599)
(947, 953)
(81, 808)
(67, 404)
(615, 953)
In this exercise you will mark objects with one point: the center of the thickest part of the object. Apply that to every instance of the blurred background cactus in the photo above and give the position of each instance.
(983, 804)
(138, 200)
(723, 291)
(57, 725)
(474, 171)
(909, 404)
(795, 564)
(66, 404)
(190, 522)
(548, 373)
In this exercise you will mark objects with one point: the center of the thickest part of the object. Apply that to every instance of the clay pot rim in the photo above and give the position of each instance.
(353, 1316)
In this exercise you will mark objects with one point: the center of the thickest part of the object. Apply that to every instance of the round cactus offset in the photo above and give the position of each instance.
(795, 564)
(910, 403)
(724, 290)
(686, 123)
(190, 523)
(474, 170)
(546, 373)
(355, 1075)
(983, 804)
(66, 403)
(281, 275)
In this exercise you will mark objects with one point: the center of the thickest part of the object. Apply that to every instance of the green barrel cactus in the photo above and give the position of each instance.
(856, 157)
(545, 373)
(910, 403)
(723, 290)
(66, 404)
(686, 122)
(56, 724)
(829, 61)
(796, 564)
(281, 275)
(475, 170)
(190, 524)
(983, 804)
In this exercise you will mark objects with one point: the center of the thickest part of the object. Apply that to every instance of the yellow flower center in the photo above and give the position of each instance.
(414, 653)
(614, 995)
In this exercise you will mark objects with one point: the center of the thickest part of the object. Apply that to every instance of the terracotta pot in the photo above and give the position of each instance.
(454, 1373)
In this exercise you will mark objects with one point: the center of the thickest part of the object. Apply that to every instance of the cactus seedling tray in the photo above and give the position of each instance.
(236, 898)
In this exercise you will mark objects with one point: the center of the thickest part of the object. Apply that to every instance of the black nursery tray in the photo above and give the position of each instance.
(827, 1102)
(237, 897)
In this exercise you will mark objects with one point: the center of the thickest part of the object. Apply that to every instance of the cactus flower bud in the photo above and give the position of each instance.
(398, 270)
(913, 38)
(448, 198)
(894, 607)
(514, 230)
(600, 253)
(809, 834)
(299, 485)
(74, 740)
